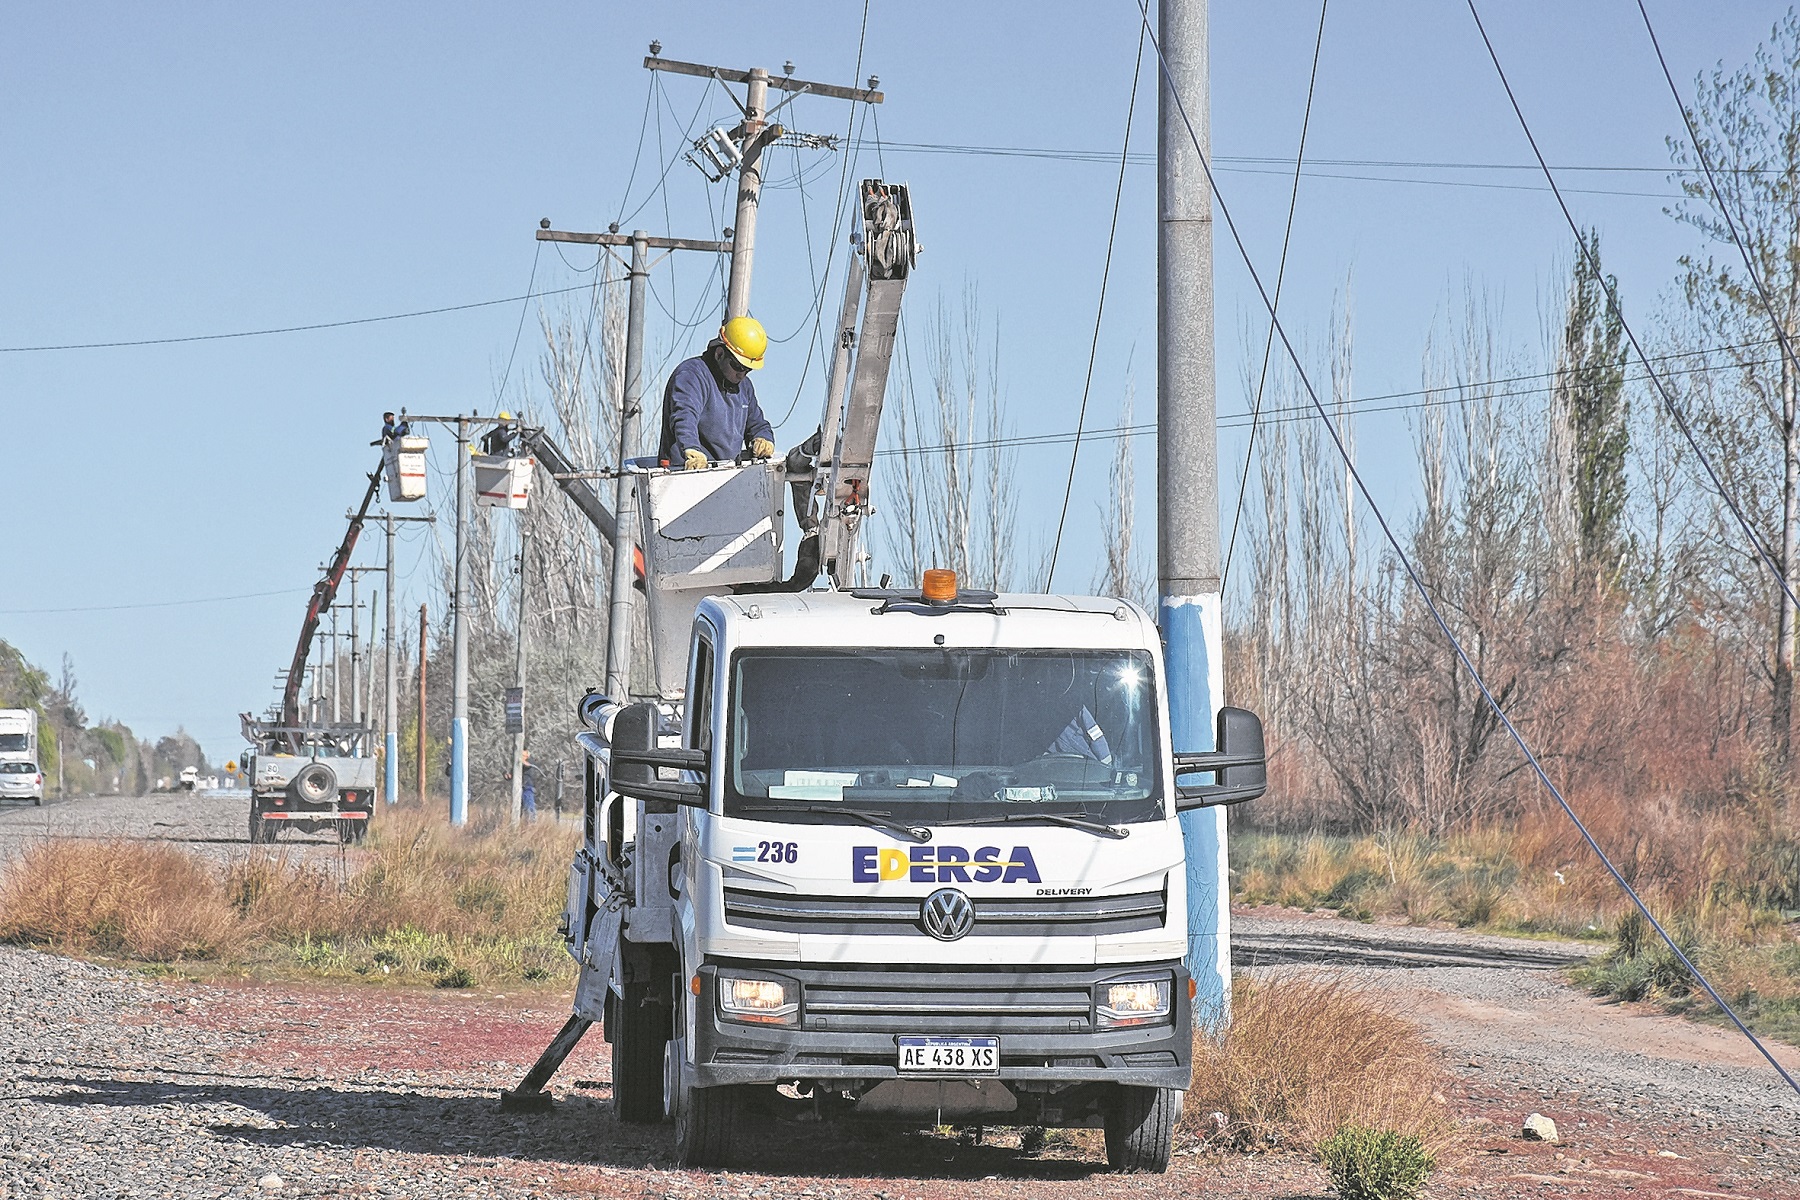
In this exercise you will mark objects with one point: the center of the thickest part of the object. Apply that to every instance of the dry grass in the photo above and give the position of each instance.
(1304, 1057)
(130, 899)
(421, 902)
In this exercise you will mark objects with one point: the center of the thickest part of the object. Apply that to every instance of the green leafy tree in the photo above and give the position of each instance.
(1591, 397)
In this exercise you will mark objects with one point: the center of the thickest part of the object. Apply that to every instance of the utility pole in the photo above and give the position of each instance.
(459, 661)
(355, 648)
(337, 667)
(518, 765)
(750, 137)
(1187, 524)
(618, 623)
(424, 655)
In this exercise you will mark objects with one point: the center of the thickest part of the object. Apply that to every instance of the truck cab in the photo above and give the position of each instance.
(901, 858)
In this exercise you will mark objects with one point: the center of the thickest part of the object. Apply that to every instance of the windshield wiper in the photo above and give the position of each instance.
(878, 818)
(1072, 820)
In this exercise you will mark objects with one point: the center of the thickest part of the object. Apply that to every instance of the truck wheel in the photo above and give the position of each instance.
(640, 1033)
(262, 833)
(706, 1119)
(1140, 1129)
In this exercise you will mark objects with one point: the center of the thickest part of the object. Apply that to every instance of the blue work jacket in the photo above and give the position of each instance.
(699, 413)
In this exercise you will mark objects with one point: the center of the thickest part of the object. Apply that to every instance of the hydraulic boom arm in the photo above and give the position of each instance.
(324, 593)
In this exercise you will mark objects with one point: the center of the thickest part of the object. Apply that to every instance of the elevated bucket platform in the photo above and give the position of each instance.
(705, 532)
(502, 482)
(403, 463)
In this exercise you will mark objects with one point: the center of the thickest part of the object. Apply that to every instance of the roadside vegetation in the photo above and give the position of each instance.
(1324, 1067)
(418, 902)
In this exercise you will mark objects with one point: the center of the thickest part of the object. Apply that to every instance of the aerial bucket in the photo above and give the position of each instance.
(705, 531)
(502, 482)
(403, 462)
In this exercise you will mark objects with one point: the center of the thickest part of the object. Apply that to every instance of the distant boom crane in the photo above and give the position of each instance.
(324, 594)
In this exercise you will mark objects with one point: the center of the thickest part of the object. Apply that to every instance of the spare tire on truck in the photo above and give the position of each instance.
(315, 783)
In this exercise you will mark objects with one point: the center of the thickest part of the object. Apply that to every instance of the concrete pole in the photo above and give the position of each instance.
(368, 692)
(1187, 524)
(518, 755)
(337, 667)
(419, 733)
(459, 661)
(355, 656)
(390, 780)
(743, 233)
(618, 621)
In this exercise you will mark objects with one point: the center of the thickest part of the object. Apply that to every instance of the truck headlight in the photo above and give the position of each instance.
(764, 1001)
(1133, 1002)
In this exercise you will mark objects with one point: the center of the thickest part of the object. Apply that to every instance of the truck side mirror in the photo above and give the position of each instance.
(1240, 762)
(636, 757)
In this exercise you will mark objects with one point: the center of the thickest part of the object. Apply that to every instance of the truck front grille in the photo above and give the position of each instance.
(923, 1000)
(995, 916)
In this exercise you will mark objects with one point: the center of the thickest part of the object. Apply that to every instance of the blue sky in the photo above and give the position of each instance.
(207, 168)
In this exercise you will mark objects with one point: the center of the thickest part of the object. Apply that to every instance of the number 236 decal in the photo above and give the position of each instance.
(767, 852)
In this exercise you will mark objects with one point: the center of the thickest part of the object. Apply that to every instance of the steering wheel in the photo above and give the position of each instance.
(1060, 769)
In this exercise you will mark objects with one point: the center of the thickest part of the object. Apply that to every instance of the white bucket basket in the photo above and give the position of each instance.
(403, 462)
(704, 532)
(502, 482)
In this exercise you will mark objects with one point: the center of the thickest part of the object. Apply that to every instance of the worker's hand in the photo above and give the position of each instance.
(762, 448)
(694, 460)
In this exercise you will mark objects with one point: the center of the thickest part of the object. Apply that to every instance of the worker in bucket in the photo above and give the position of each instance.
(710, 412)
(391, 429)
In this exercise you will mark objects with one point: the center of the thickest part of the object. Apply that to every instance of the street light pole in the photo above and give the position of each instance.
(459, 665)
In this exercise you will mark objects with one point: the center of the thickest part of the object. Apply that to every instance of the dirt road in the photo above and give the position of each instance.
(112, 1084)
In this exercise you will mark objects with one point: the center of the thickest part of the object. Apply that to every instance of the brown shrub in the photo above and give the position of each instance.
(1304, 1056)
(134, 899)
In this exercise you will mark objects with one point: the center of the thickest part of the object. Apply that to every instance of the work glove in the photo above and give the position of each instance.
(694, 460)
(762, 448)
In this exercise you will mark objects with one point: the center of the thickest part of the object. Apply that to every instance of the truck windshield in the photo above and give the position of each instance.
(12, 743)
(937, 735)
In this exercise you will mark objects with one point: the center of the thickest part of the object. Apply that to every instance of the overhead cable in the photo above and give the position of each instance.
(1287, 234)
(248, 333)
(1737, 239)
(1087, 384)
(1418, 582)
(1612, 301)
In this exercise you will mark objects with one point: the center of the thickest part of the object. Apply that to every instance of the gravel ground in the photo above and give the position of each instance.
(115, 1084)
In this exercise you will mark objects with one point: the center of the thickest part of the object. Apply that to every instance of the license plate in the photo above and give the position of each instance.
(949, 1056)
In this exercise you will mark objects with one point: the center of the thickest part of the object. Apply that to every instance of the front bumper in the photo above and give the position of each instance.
(851, 1018)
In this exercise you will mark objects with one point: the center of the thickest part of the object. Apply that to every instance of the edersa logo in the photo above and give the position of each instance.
(942, 864)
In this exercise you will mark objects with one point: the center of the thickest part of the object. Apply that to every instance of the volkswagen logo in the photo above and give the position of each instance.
(947, 914)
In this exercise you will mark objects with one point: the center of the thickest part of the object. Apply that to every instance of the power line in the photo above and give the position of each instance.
(1434, 397)
(1262, 376)
(525, 307)
(1418, 581)
(1762, 290)
(1257, 165)
(1112, 234)
(88, 608)
(1612, 300)
(247, 333)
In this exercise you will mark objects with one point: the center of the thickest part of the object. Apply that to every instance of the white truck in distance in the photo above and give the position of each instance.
(18, 735)
(922, 864)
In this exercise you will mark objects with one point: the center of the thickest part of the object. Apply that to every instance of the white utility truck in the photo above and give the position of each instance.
(897, 854)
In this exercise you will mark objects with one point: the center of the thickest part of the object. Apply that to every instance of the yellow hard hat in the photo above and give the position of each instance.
(744, 337)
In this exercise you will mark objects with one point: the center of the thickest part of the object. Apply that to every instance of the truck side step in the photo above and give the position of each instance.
(530, 1095)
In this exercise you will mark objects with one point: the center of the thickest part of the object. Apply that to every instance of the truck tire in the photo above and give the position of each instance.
(1140, 1129)
(262, 833)
(315, 783)
(706, 1119)
(640, 1032)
